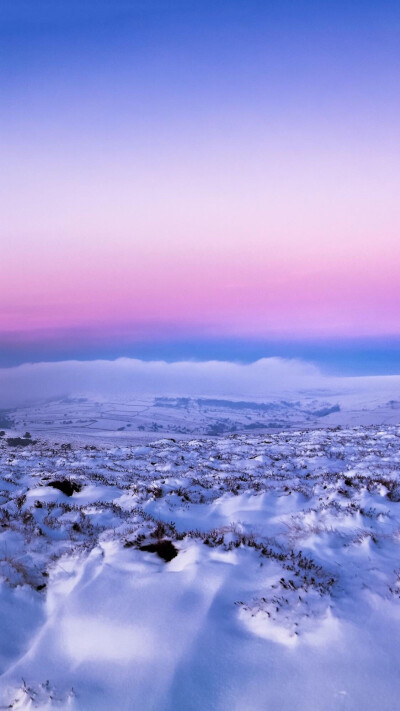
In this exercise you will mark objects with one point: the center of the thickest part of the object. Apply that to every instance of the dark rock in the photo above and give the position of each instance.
(67, 487)
(164, 549)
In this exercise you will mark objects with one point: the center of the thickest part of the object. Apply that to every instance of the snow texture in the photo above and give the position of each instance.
(248, 572)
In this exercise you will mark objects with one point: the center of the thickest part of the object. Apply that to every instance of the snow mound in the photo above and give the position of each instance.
(239, 573)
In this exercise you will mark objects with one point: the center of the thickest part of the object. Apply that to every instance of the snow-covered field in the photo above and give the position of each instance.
(244, 573)
(138, 419)
(133, 419)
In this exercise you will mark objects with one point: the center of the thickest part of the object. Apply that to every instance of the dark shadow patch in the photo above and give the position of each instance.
(19, 441)
(5, 420)
(326, 411)
(67, 487)
(164, 549)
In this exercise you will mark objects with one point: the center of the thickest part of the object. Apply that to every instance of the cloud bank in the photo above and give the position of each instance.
(268, 378)
(127, 377)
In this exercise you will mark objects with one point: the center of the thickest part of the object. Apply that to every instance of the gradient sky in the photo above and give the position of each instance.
(197, 172)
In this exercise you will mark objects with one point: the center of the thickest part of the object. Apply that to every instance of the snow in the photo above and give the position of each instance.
(133, 419)
(284, 593)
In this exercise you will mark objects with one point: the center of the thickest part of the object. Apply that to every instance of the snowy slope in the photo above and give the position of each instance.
(280, 588)
(139, 419)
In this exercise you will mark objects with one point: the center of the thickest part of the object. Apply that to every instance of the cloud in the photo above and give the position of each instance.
(127, 377)
(268, 378)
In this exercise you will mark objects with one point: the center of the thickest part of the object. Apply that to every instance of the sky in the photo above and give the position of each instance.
(189, 179)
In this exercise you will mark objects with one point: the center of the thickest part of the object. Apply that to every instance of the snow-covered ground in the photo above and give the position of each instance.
(249, 572)
(138, 419)
(132, 419)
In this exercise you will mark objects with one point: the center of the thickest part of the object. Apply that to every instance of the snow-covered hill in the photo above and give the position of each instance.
(132, 419)
(245, 572)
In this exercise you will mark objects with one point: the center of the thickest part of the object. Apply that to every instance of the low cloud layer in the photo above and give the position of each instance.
(129, 377)
(126, 378)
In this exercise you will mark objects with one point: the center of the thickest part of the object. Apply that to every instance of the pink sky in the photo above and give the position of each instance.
(269, 241)
(237, 182)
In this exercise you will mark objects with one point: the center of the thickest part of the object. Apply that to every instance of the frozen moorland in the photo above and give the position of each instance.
(248, 572)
